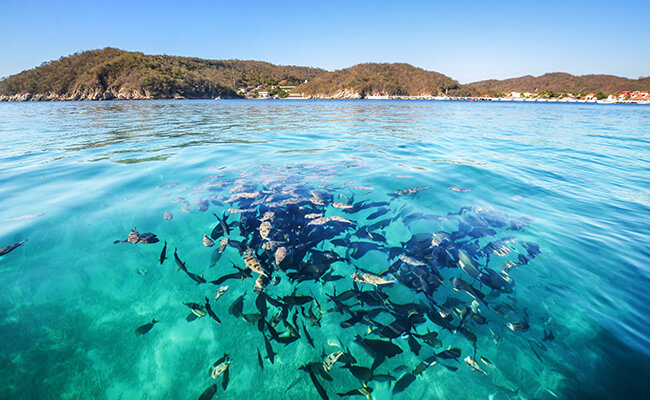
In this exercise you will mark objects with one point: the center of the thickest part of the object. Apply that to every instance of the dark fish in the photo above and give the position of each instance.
(377, 213)
(211, 313)
(260, 303)
(196, 278)
(319, 388)
(328, 277)
(395, 329)
(179, 263)
(414, 345)
(209, 393)
(163, 254)
(355, 318)
(287, 339)
(450, 354)
(259, 359)
(221, 228)
(226, 379)
(377, 348)
(469, 335)
(148, 238)
(10, 248)
(361, 248)
(359, 372)
(242, 274)
(426, 363)
(383, 378)
(297, 300)
(270, 354)
(237, 307)
(460, 284)
(309, 339)
(364, 391)
(145, 328)
(403, 382)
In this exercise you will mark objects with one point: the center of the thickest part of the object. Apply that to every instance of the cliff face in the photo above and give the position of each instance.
(116, 74)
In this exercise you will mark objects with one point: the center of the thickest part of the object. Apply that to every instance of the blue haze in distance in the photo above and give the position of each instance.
(468, 41)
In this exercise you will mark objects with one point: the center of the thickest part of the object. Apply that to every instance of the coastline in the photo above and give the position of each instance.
(28, 97)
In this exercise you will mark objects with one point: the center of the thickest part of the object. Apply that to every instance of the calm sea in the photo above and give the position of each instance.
(518, 233)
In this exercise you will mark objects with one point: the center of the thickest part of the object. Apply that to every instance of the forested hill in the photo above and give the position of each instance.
(116, 74)
(560, 82)
(373, 79)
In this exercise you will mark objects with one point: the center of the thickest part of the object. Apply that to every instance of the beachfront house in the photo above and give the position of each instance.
(262, 94)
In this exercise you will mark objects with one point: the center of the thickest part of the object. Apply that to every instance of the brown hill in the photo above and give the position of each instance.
(560, 82)
(364, 80)
(112, 73)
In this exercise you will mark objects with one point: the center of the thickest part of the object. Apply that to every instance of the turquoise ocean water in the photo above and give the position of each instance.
(550, 201)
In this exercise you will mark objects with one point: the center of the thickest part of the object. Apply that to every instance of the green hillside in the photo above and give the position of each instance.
(363, 80)
(112, 73)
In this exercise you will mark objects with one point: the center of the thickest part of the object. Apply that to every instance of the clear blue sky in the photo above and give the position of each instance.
(466, 40)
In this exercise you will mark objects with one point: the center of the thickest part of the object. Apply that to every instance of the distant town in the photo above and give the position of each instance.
(634, 97)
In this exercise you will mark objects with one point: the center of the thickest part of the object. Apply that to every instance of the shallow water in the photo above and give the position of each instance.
(74, 177)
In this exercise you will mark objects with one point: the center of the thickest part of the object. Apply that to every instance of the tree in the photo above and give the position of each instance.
(601, 95)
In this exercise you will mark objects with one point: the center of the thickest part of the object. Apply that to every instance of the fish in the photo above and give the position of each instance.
(336, 218)
(208, 394)
(378, 213)
(252, 262)
(207, 242)
(265, 229)
(473, 365)
(196, 309)
(363, 391)
(371, 279)
(141, 272)
(309, 339)
(319, 388)
(168, 216)
(458, 189)
(260, 283)
(518, 326)
(414, 345)
(211, 313)
(341, 206)
(260, 362)
(359, 372)
(196, 278)
(179, 263)
(240, 274)
(297, 300)
(163, 254)
(11, 247)
(331, 359)
(449, 354)
(221, 228)
(270, 354)
(220, 366)
(403, 382)
(145, 328)
(377, 347)
(408, 191)
(148, 238)
(424, 364)
(280, 255)
(237, 307)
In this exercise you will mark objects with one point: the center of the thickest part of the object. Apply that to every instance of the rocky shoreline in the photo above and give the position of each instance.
(97, 95)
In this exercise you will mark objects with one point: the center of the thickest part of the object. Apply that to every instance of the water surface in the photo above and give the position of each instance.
(74, 177)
